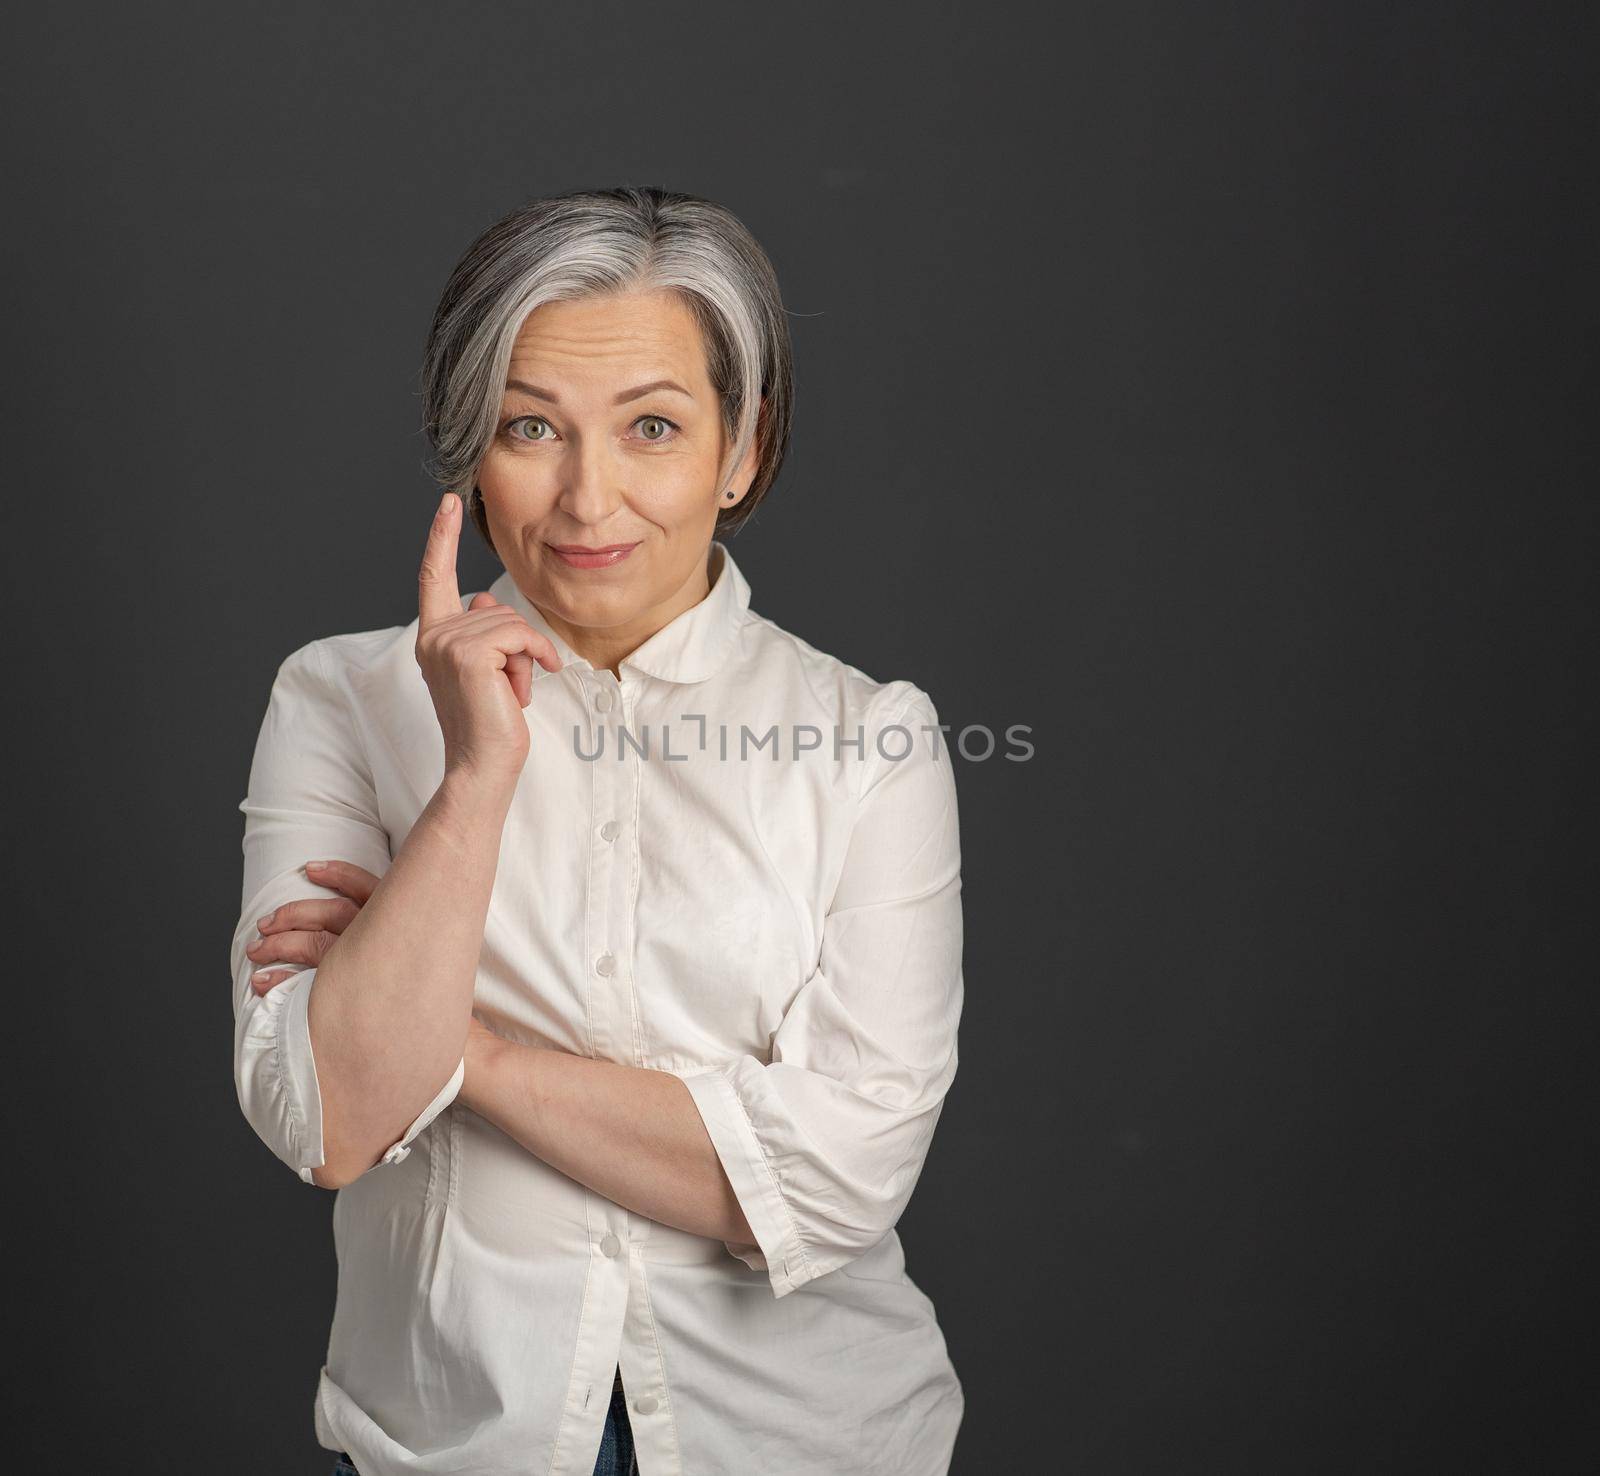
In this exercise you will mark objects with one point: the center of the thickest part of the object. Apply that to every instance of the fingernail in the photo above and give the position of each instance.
(315, 865)
(261, 922)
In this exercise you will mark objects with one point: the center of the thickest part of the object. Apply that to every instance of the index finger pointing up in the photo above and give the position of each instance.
(438, 595)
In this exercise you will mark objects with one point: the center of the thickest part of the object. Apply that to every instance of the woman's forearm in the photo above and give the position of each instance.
(629, 1133)
(392, 999)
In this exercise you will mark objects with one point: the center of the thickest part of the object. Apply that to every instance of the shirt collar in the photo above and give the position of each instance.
(689, 648)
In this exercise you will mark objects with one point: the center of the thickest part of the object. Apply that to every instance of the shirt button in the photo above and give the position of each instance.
(609, 830)
(647, 1405)
(602, 700)
(605, 964)
(610, 1246)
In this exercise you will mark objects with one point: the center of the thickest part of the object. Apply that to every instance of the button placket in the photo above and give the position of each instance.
(609, 1012)
(604, 699)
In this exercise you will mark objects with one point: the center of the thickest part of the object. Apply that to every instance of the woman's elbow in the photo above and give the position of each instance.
(328, 1175)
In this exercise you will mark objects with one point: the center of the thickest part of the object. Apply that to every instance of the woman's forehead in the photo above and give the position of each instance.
(627, 329)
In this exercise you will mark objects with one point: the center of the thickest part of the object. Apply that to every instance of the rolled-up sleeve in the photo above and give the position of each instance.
(310, 797)
(824, 1143)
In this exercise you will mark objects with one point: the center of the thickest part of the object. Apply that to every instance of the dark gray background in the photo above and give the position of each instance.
(1206, 386)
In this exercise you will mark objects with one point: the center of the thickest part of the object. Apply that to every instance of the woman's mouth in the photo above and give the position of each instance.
(581, 556)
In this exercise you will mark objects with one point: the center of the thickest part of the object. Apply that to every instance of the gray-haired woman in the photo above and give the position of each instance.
(601, 940)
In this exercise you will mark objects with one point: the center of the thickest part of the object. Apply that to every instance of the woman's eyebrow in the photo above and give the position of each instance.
(633, 394)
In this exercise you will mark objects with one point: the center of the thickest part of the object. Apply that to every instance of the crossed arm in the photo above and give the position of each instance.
(629, 1133)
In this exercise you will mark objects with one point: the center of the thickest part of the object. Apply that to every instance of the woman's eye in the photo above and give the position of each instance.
(516, 427)
(656, 427)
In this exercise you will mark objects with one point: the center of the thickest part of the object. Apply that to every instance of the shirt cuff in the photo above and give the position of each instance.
(299, 1065)
(298, 1068)
(778, 1251)
(447, 1094)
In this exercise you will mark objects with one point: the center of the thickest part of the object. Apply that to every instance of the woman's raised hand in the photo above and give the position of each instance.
(477, 662)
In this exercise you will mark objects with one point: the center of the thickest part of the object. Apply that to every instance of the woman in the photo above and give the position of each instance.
(601, 941)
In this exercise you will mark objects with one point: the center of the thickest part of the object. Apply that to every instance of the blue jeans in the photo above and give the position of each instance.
(616, 1440)
(616, 1444)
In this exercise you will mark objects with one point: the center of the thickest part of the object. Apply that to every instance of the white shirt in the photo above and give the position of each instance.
(772, 915)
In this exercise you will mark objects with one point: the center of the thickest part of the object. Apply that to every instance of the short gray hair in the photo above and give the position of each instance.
(590, 243)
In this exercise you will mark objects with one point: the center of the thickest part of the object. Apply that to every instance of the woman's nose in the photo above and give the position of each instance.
(591, 492)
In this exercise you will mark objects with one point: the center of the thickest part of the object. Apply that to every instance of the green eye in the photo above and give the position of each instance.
(668, 427)
(527, 420)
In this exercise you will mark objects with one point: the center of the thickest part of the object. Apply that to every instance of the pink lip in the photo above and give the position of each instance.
(579, 556)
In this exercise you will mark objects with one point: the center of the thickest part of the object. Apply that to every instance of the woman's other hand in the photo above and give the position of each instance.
(302, 931)
(477, 662)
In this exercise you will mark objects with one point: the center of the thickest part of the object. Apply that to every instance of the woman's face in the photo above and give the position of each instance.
(609, 433)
